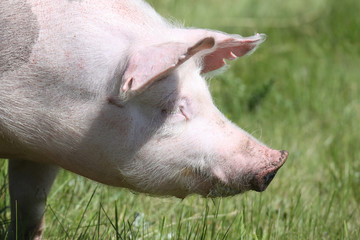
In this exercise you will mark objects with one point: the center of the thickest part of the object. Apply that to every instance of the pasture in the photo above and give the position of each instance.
(300, 91)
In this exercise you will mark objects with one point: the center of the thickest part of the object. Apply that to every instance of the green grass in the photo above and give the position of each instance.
(299, 91)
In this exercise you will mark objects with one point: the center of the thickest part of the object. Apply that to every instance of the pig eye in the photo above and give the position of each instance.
(184, 113)
(176, 112)
(175, 115)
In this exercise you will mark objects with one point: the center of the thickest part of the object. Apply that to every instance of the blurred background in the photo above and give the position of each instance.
(300, 91)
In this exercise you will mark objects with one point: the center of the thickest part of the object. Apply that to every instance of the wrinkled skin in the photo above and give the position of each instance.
(113, 92)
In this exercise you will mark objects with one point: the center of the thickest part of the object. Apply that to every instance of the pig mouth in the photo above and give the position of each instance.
(210, 186)
(220, 189)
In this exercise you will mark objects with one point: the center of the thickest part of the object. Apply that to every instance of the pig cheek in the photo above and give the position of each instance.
(163, 163)
(118, 134)
(153, 166)
(230, 161)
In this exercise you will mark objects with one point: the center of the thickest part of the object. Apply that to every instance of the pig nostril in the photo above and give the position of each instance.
(284, 155)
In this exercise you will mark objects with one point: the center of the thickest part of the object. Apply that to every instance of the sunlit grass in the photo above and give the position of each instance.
(300, 91)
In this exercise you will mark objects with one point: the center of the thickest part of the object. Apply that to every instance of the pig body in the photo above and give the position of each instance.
(112, 91)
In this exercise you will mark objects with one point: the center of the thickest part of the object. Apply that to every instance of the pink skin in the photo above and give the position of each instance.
(110, 90)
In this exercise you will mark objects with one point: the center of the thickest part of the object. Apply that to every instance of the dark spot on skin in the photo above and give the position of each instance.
(221, 123)
(19, 32)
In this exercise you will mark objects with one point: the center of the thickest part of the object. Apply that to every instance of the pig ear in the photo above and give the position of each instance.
(229, 47)
(154, 62)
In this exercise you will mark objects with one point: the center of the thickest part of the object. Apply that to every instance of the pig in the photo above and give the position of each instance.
(112, 91)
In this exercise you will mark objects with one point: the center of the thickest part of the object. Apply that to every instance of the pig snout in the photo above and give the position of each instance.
(256, 176)
(264, 177)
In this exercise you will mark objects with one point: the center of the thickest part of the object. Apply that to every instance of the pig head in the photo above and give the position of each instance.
(112, 91)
